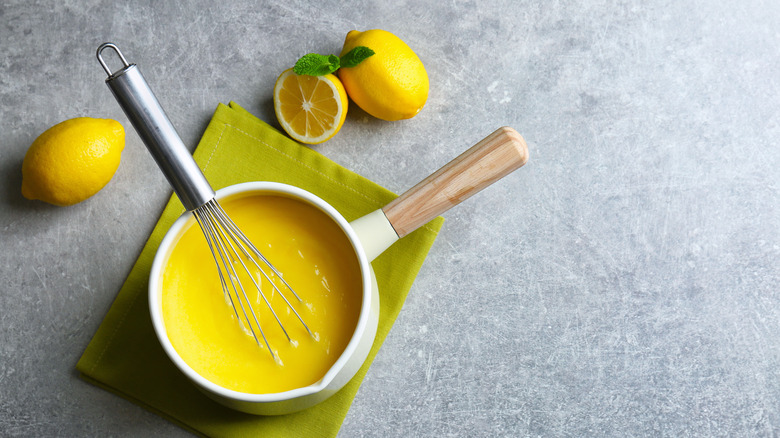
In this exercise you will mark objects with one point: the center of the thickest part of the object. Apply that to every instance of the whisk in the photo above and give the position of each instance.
(233, 252)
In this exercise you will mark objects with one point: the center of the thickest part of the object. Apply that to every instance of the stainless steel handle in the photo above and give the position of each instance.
(158, 134)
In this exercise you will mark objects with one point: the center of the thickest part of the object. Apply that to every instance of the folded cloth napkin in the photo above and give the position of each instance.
(125, 357)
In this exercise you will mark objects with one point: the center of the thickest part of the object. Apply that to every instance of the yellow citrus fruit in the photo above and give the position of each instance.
(311, 109)
(392, 84)
(72, 160)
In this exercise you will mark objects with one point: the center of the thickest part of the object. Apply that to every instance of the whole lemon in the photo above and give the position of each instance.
(72, 160)
(392, 84)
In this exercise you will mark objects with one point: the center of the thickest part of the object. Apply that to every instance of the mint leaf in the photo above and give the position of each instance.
(313, 64)
(356, 56)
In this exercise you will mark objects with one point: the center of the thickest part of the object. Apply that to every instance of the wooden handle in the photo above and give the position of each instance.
(486, 162)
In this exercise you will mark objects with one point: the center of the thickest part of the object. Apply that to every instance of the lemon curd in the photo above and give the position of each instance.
(315, 258)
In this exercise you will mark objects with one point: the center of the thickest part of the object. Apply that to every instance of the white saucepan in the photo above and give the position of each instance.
(489, 160)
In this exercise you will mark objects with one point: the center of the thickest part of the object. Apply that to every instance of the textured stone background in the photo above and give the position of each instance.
(626, 282)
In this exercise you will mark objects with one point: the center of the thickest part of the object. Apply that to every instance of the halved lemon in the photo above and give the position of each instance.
(311, 109)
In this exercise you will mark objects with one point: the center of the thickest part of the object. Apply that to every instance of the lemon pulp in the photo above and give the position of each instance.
(315, 258)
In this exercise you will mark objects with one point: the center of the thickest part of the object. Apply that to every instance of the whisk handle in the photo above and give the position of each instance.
(486, 162)
(157, 132)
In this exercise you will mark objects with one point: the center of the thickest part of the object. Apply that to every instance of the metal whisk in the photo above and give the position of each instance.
(232, 251)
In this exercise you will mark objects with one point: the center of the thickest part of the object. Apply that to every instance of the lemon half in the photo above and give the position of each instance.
(311, 109)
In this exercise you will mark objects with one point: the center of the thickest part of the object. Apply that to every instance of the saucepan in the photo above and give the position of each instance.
(484, 163)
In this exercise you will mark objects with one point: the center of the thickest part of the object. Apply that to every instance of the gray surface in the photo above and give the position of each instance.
(625, 282)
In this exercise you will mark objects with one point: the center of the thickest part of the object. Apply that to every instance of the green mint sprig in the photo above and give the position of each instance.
(314, 64)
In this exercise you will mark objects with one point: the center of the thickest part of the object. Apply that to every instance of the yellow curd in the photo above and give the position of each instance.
(315, 258)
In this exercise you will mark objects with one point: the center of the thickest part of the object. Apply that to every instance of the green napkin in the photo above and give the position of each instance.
(125, 357)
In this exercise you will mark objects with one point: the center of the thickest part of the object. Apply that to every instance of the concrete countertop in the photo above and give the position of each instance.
(625, 282)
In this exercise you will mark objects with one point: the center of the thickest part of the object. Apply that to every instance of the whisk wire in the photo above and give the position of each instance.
(230, 247)
(241, 240)
(231, 242)
(237, 231)
(220, 255)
